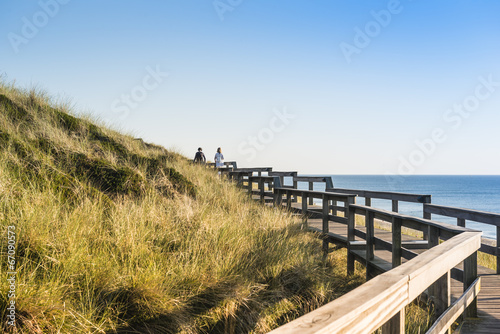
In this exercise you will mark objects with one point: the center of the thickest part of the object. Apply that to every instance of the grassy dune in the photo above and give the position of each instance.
(117, 235)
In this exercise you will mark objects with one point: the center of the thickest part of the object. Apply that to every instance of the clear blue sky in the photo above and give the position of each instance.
(337, 87)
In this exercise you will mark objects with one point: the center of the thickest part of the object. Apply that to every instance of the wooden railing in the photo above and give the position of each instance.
(311, 180)
(227, 164)
(488, 246)
(326, 212)
(430, 273)
(394, 197)
(381, 302)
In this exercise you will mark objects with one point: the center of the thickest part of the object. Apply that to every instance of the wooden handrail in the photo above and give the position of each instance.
(488, 246)
(382, 300)
(394, 196)
(467, 214)
(374, 303)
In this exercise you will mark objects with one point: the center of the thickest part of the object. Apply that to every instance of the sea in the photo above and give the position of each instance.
(476, 192)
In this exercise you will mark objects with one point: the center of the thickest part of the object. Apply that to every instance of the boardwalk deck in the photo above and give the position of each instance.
(488, 307)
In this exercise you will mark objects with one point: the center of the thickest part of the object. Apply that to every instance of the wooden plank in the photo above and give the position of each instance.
(488, 249)
(275, 173)
(415, 244)
(319, 194)
(370, 236)
(415, 198)
(311, 188)
(377, 300)
(498, 249)
(311, 178)
(395, 205)
(329, 182)
(474, 215)
(326, 210)
(351, 226)
(396, 242)
(338, 208)
(381, 263)
(434, 263)
(456, 309)
(371, 305)
(304, 206)
(470, 275)
(254, 169)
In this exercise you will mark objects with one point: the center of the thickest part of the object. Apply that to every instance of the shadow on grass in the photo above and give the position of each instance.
(293, 284)
(172, 322)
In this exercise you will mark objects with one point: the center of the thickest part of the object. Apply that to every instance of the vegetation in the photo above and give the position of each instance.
(114, 235)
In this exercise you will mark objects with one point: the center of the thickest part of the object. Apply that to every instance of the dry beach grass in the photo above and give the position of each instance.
(117, 235)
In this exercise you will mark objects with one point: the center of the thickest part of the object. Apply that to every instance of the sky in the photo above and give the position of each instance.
(319, 87)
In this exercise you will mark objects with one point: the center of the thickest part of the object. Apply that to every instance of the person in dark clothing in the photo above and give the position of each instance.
(199, 157)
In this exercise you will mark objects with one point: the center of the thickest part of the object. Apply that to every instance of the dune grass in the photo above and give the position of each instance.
(115, 235)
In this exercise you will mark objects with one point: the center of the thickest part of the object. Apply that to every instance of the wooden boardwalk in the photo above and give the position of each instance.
(386, 249)
(489, 297)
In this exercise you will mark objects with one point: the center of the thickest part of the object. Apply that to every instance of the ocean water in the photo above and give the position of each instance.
(476, 192)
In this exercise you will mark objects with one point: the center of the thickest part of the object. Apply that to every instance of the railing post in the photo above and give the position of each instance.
(276, 186)
(428, 216)
(396, 241)
(440, 291)
(351, 225)
(395, 205)
(433, 236)
(294, 184)
(334, 204)
(396, 325)
(304, 207)
(470, 275)
(311, 200)
(461, 222)
(250, 184)
(368, 201)
(261, 189)
(326, 210)
(370, 242)
(498, 250)
(288, 200)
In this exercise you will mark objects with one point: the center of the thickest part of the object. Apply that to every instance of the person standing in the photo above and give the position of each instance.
(218, 158)
(200, 157)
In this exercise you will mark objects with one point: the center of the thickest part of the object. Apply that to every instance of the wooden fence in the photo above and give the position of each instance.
(488, 246)
(380, 303)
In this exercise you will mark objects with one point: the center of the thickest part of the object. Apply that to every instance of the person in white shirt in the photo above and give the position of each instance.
(218, 158)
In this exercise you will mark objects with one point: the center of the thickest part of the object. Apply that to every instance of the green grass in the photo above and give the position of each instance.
(114, 234)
